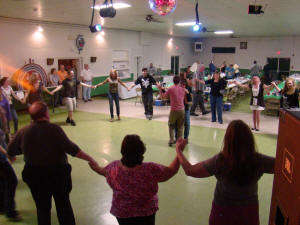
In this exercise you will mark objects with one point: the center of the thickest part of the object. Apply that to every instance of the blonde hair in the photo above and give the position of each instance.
(112, 73)
(286, 89)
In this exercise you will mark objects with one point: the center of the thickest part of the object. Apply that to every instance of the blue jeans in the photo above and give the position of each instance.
(14, 117)
(111, 98)
(216, 105)
(86, 91)
(187, 124)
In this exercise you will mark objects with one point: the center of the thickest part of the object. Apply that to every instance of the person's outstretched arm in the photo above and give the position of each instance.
(123, 84)
(172, 169)
(198, 170)
(98, 169)
(57, 89)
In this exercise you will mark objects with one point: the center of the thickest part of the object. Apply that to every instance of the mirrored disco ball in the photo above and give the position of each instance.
(163, 7)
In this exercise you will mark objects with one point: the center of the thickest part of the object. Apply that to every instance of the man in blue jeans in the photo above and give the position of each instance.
(146, 81)
(87, 77)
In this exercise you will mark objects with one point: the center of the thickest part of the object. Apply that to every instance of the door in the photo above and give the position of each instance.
(284, 66)
(273, 62)
(175, 65)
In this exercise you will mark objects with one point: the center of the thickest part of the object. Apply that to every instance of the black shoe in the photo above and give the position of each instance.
(257, 129)
(68, 120)
(15, 218)
(85, 100)
(206, 112)
(90, 100)
(170, 144)
(220, 122)
(194, 114)
(253, 128)
(73, 123)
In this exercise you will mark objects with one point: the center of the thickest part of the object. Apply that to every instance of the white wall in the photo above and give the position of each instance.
(258, 49)
(19, 42)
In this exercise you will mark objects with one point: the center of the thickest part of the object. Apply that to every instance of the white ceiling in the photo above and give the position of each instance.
(281, 17)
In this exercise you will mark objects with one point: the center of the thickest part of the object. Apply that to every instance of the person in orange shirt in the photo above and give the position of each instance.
(62, 73)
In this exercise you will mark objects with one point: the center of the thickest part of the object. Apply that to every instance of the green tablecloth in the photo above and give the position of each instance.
(273, 94)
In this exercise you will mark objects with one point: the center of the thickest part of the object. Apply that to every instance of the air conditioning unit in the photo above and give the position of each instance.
(198, 46)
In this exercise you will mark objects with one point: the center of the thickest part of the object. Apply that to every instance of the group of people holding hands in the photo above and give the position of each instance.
(134, 183)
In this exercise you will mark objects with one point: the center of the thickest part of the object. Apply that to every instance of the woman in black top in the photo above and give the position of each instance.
(217, 90)
(237, 168)
(290, 95)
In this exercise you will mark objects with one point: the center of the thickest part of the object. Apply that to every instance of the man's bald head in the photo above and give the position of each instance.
(39, 111)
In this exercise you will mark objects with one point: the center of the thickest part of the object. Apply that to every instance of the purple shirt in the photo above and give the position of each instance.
(134, 189)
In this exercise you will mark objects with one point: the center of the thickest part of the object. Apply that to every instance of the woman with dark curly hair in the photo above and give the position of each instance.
(237, 168)
(135, 183)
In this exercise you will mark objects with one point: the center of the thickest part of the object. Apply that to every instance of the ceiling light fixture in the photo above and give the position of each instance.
(97, 27)
(115, 5)
(224, 32)
(185, 24)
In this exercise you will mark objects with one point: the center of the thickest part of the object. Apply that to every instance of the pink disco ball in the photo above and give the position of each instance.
(163, 7)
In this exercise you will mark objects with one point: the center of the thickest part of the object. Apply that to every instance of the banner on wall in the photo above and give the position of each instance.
(21, 76)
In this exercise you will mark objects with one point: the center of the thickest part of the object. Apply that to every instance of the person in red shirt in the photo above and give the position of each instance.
(176, 93)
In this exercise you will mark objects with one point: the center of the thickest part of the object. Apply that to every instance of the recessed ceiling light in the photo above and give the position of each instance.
(186, 24)
(224, 32)
(119, 5)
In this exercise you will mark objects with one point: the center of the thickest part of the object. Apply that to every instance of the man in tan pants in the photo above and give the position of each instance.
(176, 93)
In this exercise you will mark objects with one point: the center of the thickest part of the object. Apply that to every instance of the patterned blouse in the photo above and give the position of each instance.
(134, 189)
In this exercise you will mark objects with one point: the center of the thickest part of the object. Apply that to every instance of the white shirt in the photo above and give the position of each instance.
(87, 75)
(7, 92)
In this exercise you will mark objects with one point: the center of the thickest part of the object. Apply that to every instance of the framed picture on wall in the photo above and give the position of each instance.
(243, 45)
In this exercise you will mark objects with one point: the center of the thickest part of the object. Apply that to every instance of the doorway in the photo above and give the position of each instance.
(175, 65)
(279, 67)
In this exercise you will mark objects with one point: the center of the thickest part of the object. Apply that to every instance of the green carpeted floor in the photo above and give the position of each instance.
(182, 200)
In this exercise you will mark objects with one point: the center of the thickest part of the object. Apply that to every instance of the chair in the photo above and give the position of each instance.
(138, 97)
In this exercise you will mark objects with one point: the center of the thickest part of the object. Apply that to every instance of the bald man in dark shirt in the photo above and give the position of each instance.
(47, 171)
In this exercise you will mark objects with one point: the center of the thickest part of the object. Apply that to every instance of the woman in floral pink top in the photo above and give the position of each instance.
(135, 184)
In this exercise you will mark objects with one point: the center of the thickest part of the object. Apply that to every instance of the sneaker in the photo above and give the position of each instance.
(68, 120)
(253, 128)
(111, 120)
(257, 129)
(220, 122)
(85, 100)
(73, 123)
(170, 144)
(150, 117)
(90, 100)
(147, 116)
(194, 114)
